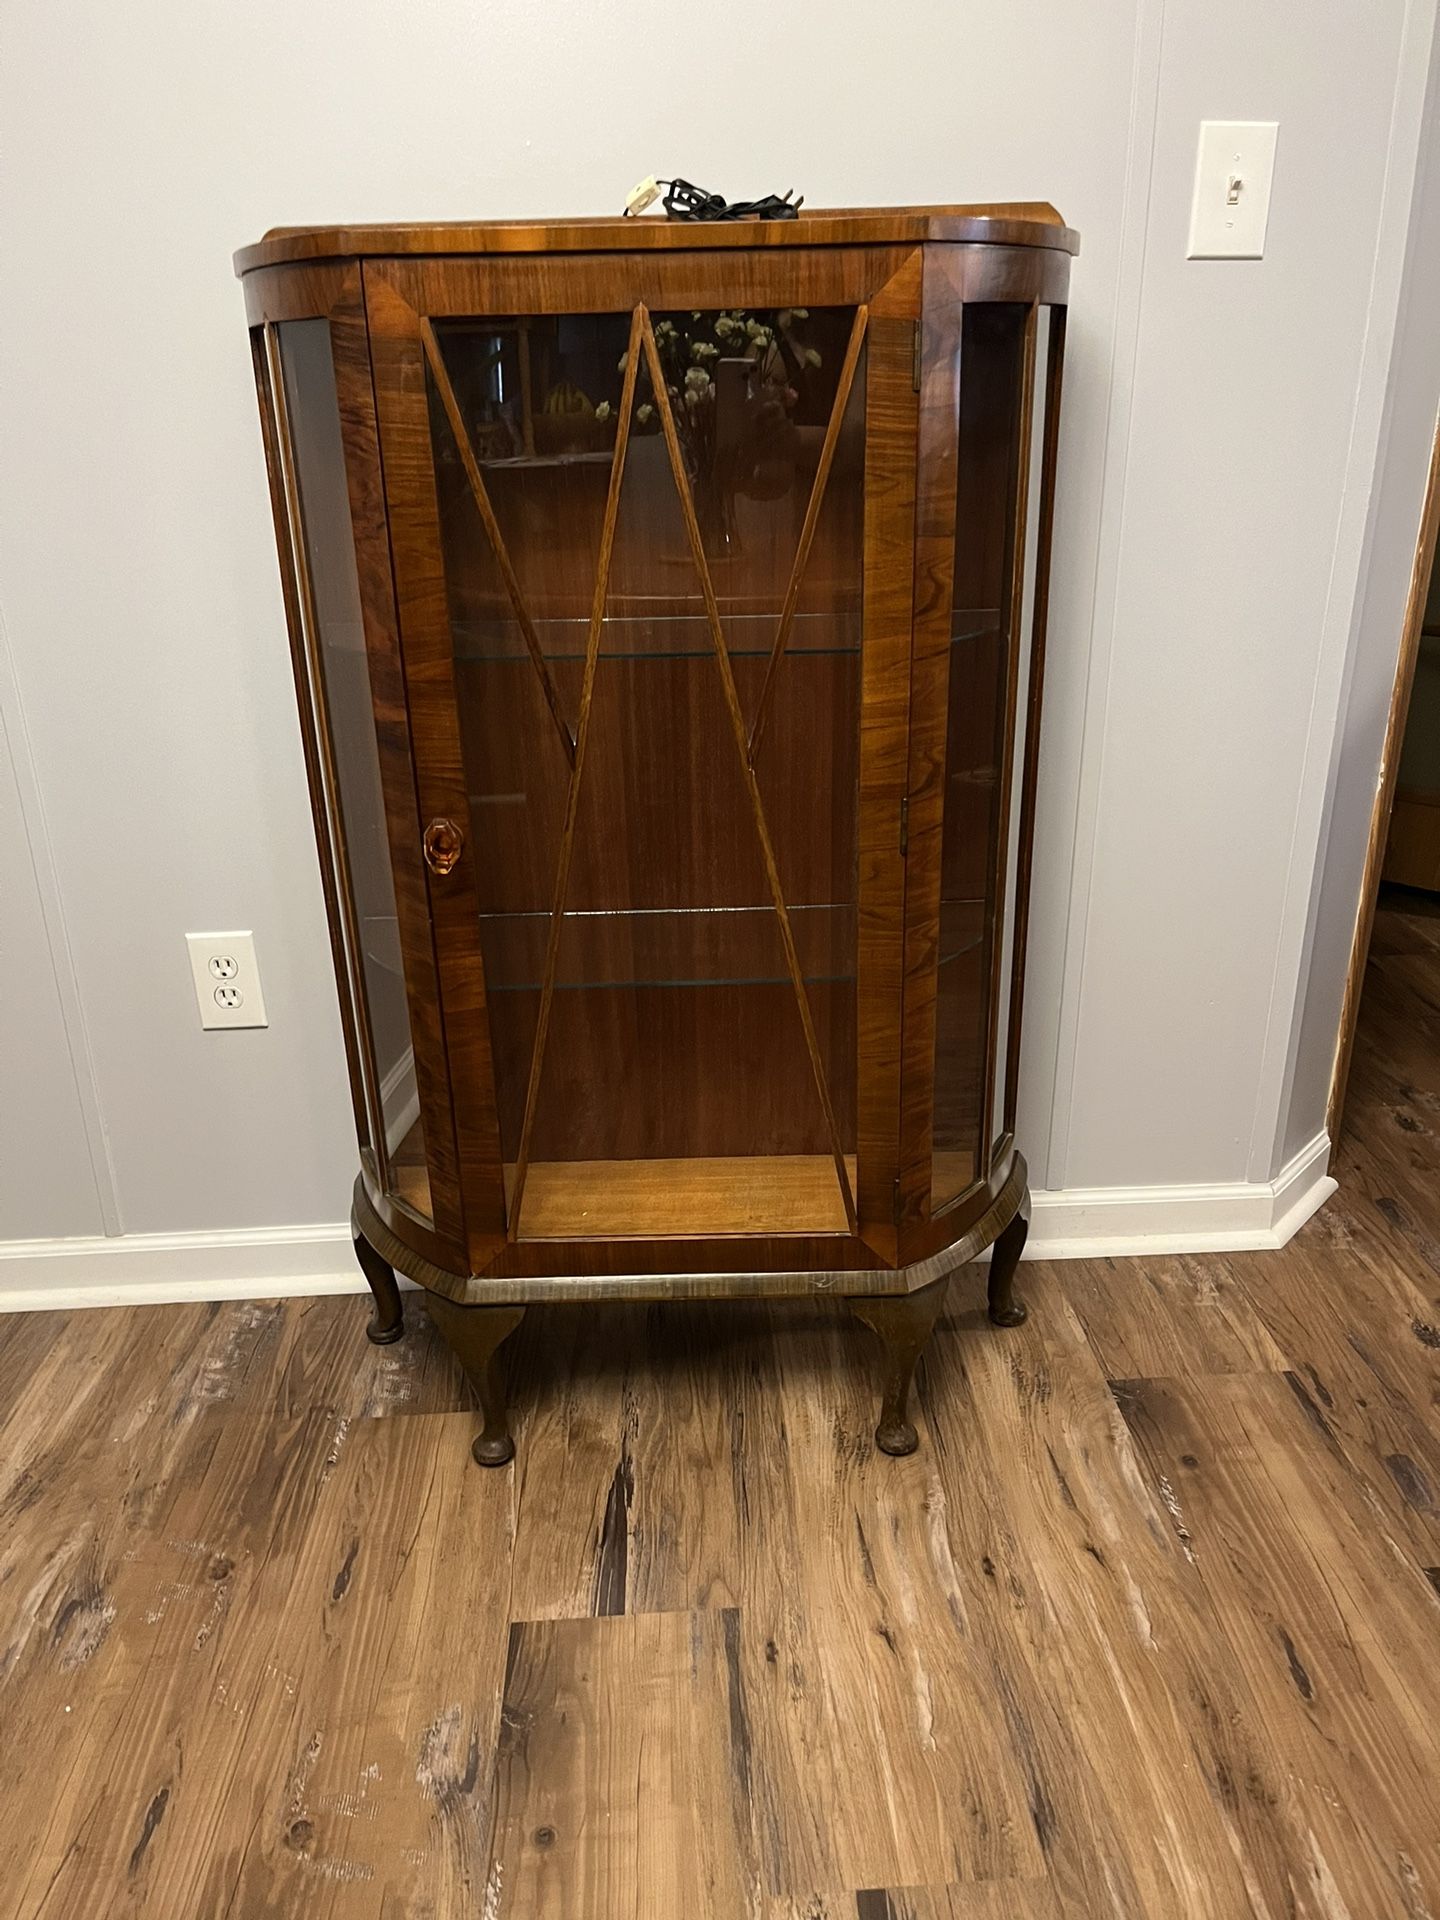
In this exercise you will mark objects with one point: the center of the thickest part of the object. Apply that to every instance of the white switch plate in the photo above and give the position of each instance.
(227, 979)
(1233, 170)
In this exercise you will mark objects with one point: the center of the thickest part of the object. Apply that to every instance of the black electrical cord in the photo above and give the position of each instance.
(683, 201)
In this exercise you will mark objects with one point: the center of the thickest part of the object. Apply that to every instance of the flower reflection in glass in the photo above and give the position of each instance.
(733, 379)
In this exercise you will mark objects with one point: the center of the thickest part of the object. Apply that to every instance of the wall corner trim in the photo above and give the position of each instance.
(1079, 1223)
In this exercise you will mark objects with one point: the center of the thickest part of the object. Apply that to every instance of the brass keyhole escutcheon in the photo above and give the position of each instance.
(443, 841)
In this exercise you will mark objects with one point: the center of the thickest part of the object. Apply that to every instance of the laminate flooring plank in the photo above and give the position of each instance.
(1333, 1638)
(1144, 1631)
(382, 1700)
(1087, 1608)
(622, 1783)
(996, 1900)
(573, 1460)
(881, 1750)
(971, 1900)
(1166, 1314)
(678, 1504)
(181, 1596)
(1363, 1365)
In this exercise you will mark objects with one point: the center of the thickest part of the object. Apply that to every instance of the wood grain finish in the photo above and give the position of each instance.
(332, 294)
(1033, 224)
(1146, 1628)
(666, 1199)
(663, 282)
(891, 414)
(399, 370)
(682, 887)
(697, 1266)
(933, 595)
(355, 398)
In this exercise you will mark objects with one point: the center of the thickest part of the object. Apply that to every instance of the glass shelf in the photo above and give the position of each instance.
(659, 636)
(642, 949)
(677, 636)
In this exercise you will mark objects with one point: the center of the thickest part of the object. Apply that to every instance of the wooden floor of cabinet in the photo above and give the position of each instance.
(660, 1199)
(1146, 1628)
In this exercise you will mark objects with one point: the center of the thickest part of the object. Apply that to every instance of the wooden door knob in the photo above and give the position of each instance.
(443, 841)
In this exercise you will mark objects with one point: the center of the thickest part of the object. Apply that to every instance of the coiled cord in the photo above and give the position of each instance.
(684, 201)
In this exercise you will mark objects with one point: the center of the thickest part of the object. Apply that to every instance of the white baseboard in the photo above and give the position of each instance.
(1078, 1223)
(145, 1269)
(267, 1263)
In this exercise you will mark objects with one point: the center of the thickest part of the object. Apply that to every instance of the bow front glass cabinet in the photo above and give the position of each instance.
(667, 612)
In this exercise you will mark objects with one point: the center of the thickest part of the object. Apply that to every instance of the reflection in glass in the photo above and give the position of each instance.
(318, 453)
(991, 363)
(1021, 681)
(678, 1094)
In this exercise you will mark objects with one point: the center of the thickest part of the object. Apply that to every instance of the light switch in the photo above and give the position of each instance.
(1233, 169)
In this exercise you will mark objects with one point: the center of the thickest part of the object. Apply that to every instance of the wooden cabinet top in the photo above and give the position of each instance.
(1023, 223)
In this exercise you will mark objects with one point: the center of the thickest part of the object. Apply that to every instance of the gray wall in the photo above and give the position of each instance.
(1216, 422)
(1392, 528)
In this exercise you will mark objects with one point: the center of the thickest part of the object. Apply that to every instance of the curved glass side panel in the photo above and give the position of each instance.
(329, 594)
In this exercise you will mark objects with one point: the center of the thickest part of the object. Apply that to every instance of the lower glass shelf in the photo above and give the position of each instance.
(681, 1199)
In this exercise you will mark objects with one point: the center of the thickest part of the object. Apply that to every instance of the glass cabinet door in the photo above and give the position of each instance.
(651, 529)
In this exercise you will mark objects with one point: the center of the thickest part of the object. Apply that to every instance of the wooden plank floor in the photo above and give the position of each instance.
(1148, 1627)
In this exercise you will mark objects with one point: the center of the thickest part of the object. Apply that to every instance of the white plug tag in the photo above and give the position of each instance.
(643, 195)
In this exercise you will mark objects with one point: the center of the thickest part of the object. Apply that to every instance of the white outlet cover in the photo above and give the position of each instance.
(227, 979)
(1230, 209)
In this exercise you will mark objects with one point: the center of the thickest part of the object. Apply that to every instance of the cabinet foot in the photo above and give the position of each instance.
(1005, 1309)
(387, 1323)
(475, 1335)
(903, 1321)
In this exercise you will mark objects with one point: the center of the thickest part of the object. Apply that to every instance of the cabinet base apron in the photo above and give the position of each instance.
(476, 1314)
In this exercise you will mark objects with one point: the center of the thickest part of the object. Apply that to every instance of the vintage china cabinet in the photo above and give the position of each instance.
(667, 610)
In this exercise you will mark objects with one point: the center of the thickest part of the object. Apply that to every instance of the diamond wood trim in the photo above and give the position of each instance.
(481, 496)
(808, 526)
(737, 723)
(639, 320)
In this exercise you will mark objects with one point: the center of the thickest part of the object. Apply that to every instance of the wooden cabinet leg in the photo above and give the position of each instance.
(387, 1323)
(1005, 1309)
(474, 1335)
(903, 1321)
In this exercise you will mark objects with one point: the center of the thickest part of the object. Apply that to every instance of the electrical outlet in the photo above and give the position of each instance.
(227, 979)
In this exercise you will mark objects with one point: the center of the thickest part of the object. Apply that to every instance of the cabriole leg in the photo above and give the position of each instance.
(903, 1321)
(1005, 1309)
(387, 1323)
(474, 1335)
